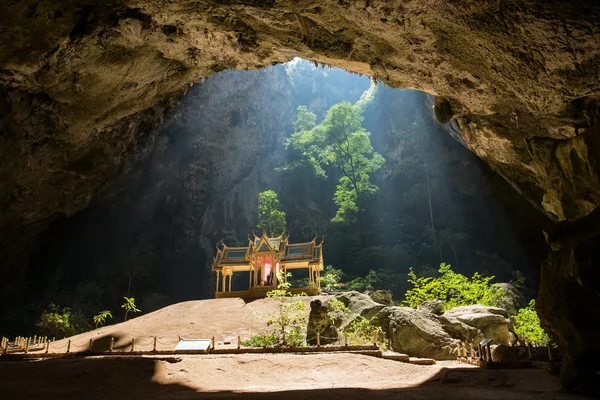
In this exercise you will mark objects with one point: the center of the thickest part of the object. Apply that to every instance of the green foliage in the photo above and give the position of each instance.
(337, 311)
(259, 341)
(331, 278)
(270, 217)
(360, 331)
(129, 306)
(527, 325)
(339, 140)
(288, 324)
(56, 322)
(453, 288)
(100, 318)
(369, 282)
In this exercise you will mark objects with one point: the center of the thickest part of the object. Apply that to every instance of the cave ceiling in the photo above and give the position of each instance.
(85, 84)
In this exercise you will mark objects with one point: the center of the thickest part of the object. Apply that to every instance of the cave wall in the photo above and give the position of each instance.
(85, 85)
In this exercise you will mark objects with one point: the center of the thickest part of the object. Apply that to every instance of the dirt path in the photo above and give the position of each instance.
(266, 376)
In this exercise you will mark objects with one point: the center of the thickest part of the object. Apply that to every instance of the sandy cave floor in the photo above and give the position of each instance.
(266, 376)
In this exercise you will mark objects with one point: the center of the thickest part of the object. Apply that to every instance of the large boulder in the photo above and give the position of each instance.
(416, 333)
(504, 353)
(359, 304)
(490, 322)
(512, 299)
(436, 307)
(320, 322)
(382, 297)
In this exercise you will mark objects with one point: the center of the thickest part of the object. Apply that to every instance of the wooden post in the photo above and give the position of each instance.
(111, 344)
(458, 350)
(472, 350)
(346, 338)
(291, 341)
(213, 343)
(489, 352)
(230, 279)
(34, 339)
(217, 283)
(318, 339)
(239, 342)
(90, 347)
(47, 346)
(222, 281)
(529, 349)
(154, 348)
(27, 345)
(549, 351)
(132, 344)
(374, 338)
(264, 340)
(480, 351)
(5, 347)
(69, 345)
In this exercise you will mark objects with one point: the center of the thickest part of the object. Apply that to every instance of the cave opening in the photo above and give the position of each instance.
(152, 232)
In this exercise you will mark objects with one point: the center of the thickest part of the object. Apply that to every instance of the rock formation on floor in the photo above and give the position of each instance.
(420, 332)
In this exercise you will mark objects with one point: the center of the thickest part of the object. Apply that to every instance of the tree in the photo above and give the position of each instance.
(100, 318)
(341, 141)
(129, 306)
(271, 218)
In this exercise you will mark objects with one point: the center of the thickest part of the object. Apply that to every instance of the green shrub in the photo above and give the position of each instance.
(527, 325)
(337, 311)
(330, 280)
(56, 322)
(360, 331)
(259, 341)
(288, 324)
(100, 318)
(452, 288)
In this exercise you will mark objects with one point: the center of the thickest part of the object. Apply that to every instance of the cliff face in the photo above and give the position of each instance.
(85, 85)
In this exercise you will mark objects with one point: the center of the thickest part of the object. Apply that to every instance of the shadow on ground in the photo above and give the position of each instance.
(139, 378)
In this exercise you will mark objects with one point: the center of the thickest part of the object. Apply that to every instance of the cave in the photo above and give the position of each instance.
(94, 100)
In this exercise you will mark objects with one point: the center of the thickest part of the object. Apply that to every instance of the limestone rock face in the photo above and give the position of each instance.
(416, 333)
(319, 322)
(492, 322)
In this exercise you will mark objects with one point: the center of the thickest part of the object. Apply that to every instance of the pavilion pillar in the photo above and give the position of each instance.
(230, 276)
(217, 282)
(223, 281)
(310, 276)
(249, 278)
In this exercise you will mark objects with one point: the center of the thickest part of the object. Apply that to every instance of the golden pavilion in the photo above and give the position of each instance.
(263, 259)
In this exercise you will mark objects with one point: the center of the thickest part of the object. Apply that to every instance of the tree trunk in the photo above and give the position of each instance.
(431, 216)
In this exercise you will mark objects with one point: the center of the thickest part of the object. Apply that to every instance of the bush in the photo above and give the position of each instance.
(360, 331)
(337, 311)
(453, 289)
(330, 280)
(527, 325)
(56, 322)
(259, 341)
